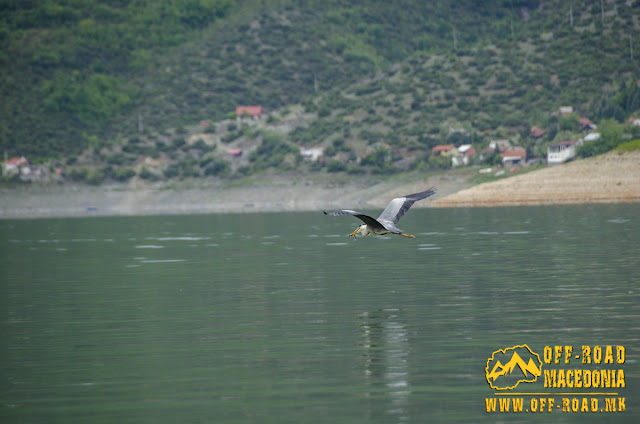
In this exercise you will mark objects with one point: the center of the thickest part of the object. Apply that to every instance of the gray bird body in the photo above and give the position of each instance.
(386, 222)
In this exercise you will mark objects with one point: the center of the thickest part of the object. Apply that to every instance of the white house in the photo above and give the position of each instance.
(499, 144)
(315, 154)
(466, 153)
(565, 110)
(591, 137)
(561, 152)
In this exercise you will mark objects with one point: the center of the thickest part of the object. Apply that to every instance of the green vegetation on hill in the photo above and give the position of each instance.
(68, 64)
(629, 146)
(104, 85)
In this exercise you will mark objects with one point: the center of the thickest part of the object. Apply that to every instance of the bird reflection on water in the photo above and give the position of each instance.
(385, 343)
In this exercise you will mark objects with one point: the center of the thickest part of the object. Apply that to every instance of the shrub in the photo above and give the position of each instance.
(339, 144)
(316, 166)
(202, 146)
(610, 136)
(629, 146)
(218, 168)
(123, 174)
(324, 111)
(178, 143)
(272, 151)
(172, 171)
(145, 174)
(229, 137)
(355, 170)
(137, 149)
(330, 151)
(79, 175)
(336, 166)
(442, 162)
(119, 159)
(568, 123)
(191, 171)
(96, 176)
(380, 161)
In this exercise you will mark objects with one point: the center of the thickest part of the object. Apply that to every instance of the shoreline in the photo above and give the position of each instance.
(610, 178)
(613, 177)
(272, 194)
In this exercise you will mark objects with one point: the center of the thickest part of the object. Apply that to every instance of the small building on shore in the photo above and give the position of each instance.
(235, 152)
(560, 152)
(444, 150)
(16, 166)
(314, 154)
(249, 111)
(586, 124)
(537, 132)
(466, 153)
(500, 145)
(565, 110)
(514, 156)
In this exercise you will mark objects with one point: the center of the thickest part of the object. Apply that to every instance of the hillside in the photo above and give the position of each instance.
(100, 88)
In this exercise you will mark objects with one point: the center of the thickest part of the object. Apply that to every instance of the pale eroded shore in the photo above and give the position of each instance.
(274, 194)
(610, 178)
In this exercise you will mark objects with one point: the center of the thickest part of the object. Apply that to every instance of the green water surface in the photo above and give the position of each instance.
(281, 318)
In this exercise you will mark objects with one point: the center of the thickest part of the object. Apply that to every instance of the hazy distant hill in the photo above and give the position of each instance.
(79, 73)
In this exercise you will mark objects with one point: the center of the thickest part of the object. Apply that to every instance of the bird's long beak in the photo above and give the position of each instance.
(355, 232)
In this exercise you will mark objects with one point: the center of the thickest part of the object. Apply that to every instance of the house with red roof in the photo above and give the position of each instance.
(16, 166)
(514, 156)
(586, 124)
(537, 132)
(444, 150)
(235, 152)
(252, 111)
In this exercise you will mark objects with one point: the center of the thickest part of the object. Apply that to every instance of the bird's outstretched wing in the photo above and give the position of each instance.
(365, 218)
(400, 205)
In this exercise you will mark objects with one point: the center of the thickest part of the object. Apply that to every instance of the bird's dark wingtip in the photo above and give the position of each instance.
(324, 212)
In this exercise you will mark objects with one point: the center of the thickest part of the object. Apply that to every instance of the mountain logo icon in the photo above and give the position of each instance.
(511, 366)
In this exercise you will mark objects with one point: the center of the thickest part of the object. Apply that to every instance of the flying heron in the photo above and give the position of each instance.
(386, 222)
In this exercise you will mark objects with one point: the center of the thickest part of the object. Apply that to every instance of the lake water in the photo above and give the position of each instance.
(281, 318)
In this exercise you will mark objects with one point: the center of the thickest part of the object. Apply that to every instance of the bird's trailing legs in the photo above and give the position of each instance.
(407, 235)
